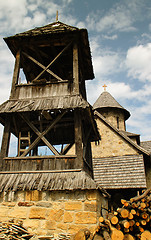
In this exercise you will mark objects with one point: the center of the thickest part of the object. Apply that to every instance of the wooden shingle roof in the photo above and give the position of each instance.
(146, 145)
(51, 181)
(52, 28)
(120, 172)
(106, 100)
(53, 103)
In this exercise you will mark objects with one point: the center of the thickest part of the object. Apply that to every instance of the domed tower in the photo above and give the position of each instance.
(111, 110)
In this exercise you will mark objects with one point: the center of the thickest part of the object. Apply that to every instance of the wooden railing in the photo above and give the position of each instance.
(38, 163)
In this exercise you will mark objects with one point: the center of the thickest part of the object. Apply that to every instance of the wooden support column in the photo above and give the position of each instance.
(78, 138)
(75, 69)
(5, 141)
(16, 74)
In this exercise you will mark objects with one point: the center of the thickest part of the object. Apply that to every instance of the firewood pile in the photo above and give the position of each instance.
(11, 230)
(130, 222)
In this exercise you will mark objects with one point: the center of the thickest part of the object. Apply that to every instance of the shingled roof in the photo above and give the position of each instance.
(146, 145)
(120, 172)
(53, 103)
(55, 27)
(106, 100)
(49, 180)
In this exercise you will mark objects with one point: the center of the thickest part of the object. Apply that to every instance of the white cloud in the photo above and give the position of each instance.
(138, 62)
(112, 37)
(11, 12)
(120, 18)
(105, 61)
(16, 16)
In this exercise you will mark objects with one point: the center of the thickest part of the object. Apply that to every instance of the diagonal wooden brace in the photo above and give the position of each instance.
(41, 135)
(59, 54)
(42, 66)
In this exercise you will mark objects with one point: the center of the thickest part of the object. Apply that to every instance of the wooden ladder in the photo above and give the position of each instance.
(23, 142)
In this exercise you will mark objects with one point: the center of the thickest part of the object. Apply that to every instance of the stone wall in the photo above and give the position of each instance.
(46, 213)
(115, 117)
(111, 143)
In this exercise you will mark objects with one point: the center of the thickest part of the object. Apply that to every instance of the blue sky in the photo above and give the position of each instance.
(120, 41)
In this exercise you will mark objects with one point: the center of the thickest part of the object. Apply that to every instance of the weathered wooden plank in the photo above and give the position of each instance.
(5, 141)
(78, 137)
(66, 148)
(16, 74)
(75, 68)
(22, 165)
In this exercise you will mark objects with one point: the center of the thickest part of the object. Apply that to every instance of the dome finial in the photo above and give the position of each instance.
(104, 87)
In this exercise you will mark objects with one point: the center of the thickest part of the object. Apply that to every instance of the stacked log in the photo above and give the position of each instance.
(11, 230)
(131, 221)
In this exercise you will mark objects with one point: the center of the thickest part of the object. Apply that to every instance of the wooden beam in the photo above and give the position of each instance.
(37, 140)
(59, 54)
(66, 148)
(75, 68)
(15, 126)
(5, 141)
(46, 115)
(42, 66)
(78, 137)
(40, 135)
(16, 74)
(85, 143)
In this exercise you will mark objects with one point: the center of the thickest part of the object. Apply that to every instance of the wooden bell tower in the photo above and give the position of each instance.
(47, 104)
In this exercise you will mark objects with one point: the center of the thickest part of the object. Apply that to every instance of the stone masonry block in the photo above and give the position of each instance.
(18, 213)
(85, 218)
(62, 226)
(73, 206)
(56, 215)
(68, 217)
(37, 213)
(30, 223)
(74, 228)
(90, 206)
(50, 225)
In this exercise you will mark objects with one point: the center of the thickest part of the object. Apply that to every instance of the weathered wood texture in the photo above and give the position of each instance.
(50, 35)
(28, 91)
(132, 221)
(75, 68)
(117, 172)
(16, 74)
(53, 103)
(69, 180)
(78, 137)
(39, 163)
(5, 141)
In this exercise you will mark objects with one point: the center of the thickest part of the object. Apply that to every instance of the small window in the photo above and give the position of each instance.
(117, 122)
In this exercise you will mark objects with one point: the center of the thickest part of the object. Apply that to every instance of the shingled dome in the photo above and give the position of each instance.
(106, 100)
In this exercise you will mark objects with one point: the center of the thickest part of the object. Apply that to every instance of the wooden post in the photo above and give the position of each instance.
(78, 138)
(75, 69)
(16, 74)
(5, 141)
